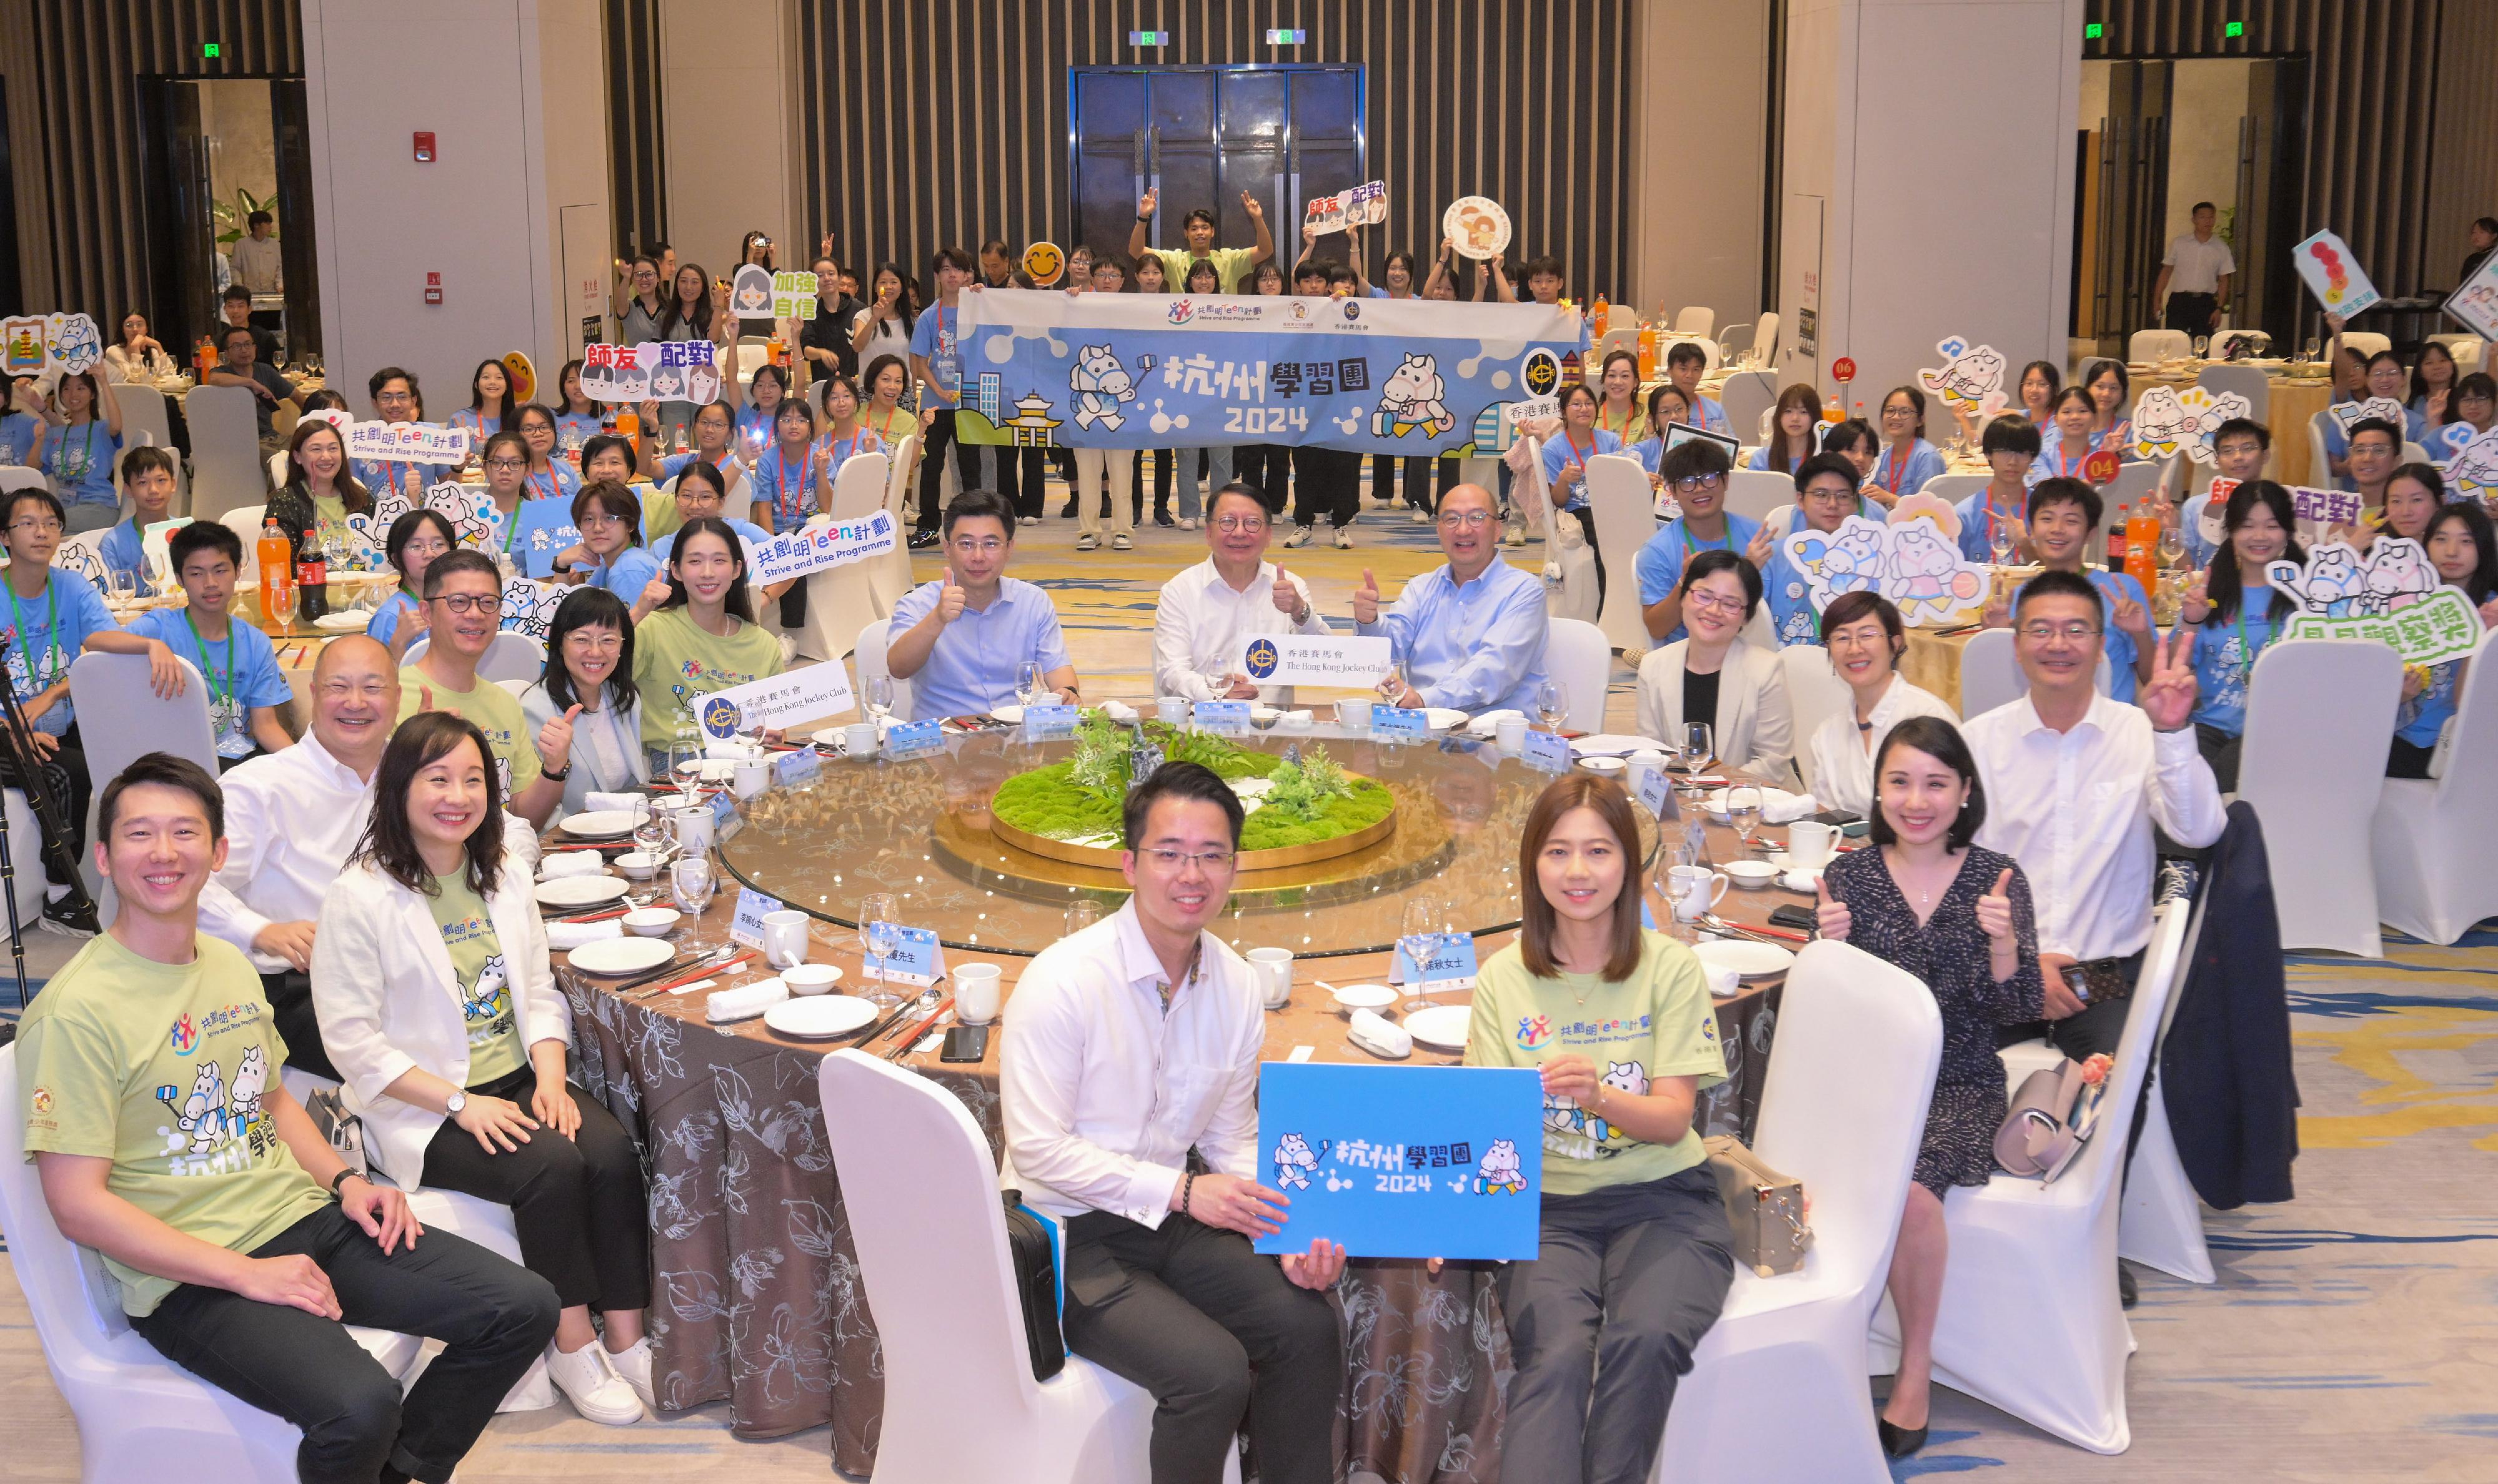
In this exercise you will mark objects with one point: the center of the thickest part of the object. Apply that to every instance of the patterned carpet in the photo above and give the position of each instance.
(2353, 1335)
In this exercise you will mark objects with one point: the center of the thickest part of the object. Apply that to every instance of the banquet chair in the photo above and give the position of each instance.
(1695, 320)
(1952, 488)
(1753, 494)
(510, 657)
(1625, 518)
(2324, 883)
(245, 522)
(1577, 658)
(1765, 338)
(1777, 1388)
(1615, 339)
(2160, 1217)
(2248, 381)
(960, 1400)
(2151, 346)
(2367, 342)
(839, 599)
(28, 879)
(225, 450)
(139, 1415)
(2431, 837)
(2030, 1322)
(888, 576)
(1814, 694)
(1709, 348)
(1747, 398)
(2464, 348)
(121, 719)
(2135, 481)
(868, 659)
(1989, 673)
(17, 476)
(1573, 595)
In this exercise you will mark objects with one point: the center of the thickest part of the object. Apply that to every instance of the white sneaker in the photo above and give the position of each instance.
(1120, 542)
(1032, 519)
(1087, 542)
(789, 649)
(1301, 536)
(1423, 518)
(1343, 540)
(1188, 523)
(632, 1365)
(592, 1386)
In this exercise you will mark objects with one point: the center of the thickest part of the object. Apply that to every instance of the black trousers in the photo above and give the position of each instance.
(1188, 1311)
(1326, 481)
(493, 1318)
(1603, 1323)
(577, 1204)
(1161, 462)
(1021, 478)
(932, 470)
(2221, 751)
(2192, 312)
(1417, 480)
(1269, 468)
(290, 1004)
(65, 779)
(2405, 760)
(2097, 1029)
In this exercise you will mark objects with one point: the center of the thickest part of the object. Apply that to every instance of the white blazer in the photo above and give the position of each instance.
(1754, 727)
(383, 987)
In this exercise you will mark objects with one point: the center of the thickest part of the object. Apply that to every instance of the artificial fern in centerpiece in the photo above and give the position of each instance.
(1288, 803)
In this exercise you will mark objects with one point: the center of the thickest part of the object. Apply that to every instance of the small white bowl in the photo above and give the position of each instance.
(1294, 721)
(811, 978)
(1751, 875)
(636, 864)
(1603, 766)
(1800, 880)
(1363, 997)
(651, 922)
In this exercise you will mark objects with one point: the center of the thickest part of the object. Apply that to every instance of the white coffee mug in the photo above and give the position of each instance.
(754, 775)
(1643, 764)
(1354, 716)
(784, 938)
(1172, 710)
(977, 994)
(1273, 968)
(860, 739)
(1808, 845)
(1689, 888)
(1510, 733)
(694, 830)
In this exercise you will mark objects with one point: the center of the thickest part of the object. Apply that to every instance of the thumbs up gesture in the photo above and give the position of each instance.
(1831, 916)
(555, 740)
(1366, 599)
(949, 598)
(1995, 909)
(1287, 597)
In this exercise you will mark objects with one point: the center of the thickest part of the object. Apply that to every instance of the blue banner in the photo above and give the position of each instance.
(1405, 376)
(1403, 1161)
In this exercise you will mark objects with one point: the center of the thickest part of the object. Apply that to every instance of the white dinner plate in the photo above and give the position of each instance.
(1748, 959)
(343, 624)
(1613, 744)
(621, 955)
(565, 893)
(1012, 715)
(1350, 998)
(1440, 718)
(1442, 1027)
(819, 1016)
(600, 824)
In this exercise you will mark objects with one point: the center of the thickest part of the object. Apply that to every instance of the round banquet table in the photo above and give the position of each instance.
(759, 1295)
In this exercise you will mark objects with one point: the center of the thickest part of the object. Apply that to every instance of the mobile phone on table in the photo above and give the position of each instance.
(965, 1043)
(1800, 919)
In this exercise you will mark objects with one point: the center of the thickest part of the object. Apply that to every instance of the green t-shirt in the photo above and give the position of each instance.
(329, 517)
(495, 1048)
(1658, 1023)
(160, 1069)
(1232, 263)
(675, 663)
(496, 712)
(660, 516)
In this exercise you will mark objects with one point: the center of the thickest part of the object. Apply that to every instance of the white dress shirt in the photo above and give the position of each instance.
(1200, 622)
(291, 819)
(2075, 808)
(1104, 1090)
(260, 265)
(2197, 268)
(1842, 754)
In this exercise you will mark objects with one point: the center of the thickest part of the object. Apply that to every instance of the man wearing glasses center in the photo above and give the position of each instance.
(463, 601)
(1695, 474)
(1468, 634)
(1206, 613)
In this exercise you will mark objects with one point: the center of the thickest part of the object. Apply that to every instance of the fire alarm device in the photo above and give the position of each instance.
(424, 147)
(433, 288)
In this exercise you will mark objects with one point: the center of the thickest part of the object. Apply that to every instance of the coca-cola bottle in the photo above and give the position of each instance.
(312, 575)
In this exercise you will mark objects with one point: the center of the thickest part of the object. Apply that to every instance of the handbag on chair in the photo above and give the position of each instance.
(2053, 1115)
(1032, 1248)
(1765, 1208)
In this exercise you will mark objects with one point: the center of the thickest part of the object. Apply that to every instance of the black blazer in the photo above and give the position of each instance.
(2226, 1066)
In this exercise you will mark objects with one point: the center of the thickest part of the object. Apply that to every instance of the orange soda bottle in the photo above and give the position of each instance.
(2142, 547)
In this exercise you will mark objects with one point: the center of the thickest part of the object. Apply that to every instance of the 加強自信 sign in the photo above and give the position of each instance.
(1315, 659)
(812, 549)
(1132, 371)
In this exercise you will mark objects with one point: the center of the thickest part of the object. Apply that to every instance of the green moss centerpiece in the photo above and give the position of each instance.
(1300, 810)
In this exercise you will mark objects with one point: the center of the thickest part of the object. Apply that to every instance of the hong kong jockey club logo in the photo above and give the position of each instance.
(1181, 310)
(1351, 310)
(1533, 1030)
(1262, 659)
(1541, 373)
(719, 716)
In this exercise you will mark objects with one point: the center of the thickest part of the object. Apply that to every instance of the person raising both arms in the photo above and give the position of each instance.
(1198, 228)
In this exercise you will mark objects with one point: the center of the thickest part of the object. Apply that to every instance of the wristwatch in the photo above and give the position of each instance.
(455, 1102)
(559, 776)
(341, 1178)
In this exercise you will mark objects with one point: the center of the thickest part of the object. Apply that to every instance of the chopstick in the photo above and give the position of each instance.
(689, 976)
(876, 1031)
(911, 1036)
(592, 917)
(707, 965)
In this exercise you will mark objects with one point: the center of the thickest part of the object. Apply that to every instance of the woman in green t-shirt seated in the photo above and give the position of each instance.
(1636, 1258)
(703, 638)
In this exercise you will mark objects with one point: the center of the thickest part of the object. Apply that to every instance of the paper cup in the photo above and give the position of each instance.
(977, 994)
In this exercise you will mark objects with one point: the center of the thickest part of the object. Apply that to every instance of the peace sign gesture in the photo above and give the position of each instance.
(2168, 697)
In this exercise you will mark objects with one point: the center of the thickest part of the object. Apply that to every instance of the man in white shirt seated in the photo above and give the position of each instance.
(1206, 613)
(1468, 634)
(2074, 783)
(1130, 1046)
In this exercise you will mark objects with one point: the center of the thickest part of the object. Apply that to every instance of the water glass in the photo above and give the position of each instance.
(1081, 914)
(1552, 704)
(879, 696)
(1999, 541)
(693, 883)
(1028, 684)
(1743, 812)
(1699, 745)
(1422, 925)
(880, 921)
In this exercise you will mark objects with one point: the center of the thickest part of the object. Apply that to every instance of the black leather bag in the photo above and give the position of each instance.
(1032, 1248)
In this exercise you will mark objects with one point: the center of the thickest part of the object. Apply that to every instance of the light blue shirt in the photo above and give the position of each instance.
(1977, 525)
(1923, 463)
(51, 632)
(972, 668)
(1473, 648)
(2225, 658)
(1660, 560)
(788, 494)
(240, 670)
(632, 570)
(78, 461)
(2425, 715)
(560, 482)
(572, 430)
(2052, 461)
(1709, 414)
(934, 340)
(1559, 452)
(18, 432)
(480, 427)
(1761, 460)
(122, 553)
(384, 626)
(2337, 443)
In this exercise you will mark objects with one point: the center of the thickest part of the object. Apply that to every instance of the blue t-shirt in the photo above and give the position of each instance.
(2225, 663)
(1978, 527)
(18, 433)
(386, 619)
(78, 461)
(1559, 452)
(122, 553)
(480, 425)
(1660, 560)
(560, 482)
(51, 631)
(572, 430)
(785, 493)
(934, 340)
(753, 425)
(240, 670)
(2114, 587)
(1760, 460)
(1924, 462)
(634, 570)
(2426, 714)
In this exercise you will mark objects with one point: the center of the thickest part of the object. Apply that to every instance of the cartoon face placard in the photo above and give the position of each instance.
(2349, 415)
(2167, 420)
(2393, 595)
(1912, 562)
(750, 293)
(31, 344)
(2473, 471)
(1969, 376)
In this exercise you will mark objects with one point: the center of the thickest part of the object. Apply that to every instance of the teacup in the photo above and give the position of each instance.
(1809, 842)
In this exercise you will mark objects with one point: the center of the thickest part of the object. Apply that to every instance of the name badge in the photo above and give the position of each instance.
(747, 926)
(1450, 965)
(911, 738)
(724, 809)
(791, 769)
(1656, 791)
(1040, 721)
(1546, 751)
(1399, 723)
(1224, 719)
(915, 958)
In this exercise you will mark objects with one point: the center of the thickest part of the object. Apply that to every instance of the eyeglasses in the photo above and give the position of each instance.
(395, 400)
(2042, 632)
(989, 547)
(36, 527)
(1695, 482)
(508, 463)
(487, 603)
(594, 641)
(1237, 523)
(341, 690)
(601, 520)
(1173, 860)
(1457, 517)
(1698, 598)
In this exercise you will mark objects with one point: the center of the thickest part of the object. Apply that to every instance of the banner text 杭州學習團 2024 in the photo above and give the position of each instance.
(1133, 370)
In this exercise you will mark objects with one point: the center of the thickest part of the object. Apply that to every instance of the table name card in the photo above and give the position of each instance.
(1656, 791)
(911, 739)
(791, 769)
(1447, 964)
(1042, 721)
(1546, 751)
(1224, 719)
(776, 700)
(1315, 659)
(746, 927)
(1399, 723)
(1429, 1161)
(915, 958)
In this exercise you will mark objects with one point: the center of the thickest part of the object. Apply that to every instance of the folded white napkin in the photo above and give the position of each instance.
(1375, 1032)
(1723, 980)
(731, 749)
(571, 862)
(564, 938)
(1119, 712)
(746, 999)
(1489, 722)
(1777, 806)
(598, 803)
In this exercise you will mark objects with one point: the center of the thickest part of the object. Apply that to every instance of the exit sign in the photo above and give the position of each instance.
(1149, 38)
(2234, 28)
(211, 50)
(2092, 31)
(1287, 38)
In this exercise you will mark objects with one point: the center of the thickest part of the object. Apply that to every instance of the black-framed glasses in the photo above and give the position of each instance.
(464, 603)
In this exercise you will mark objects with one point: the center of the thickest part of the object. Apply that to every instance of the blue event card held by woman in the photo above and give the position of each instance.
(1403, 1161)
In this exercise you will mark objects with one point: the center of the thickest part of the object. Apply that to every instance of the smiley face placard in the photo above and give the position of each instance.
(1045, 264)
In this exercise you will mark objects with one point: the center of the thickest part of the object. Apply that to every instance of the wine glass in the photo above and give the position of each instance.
(1743, 812)
(880, 920)
(1418, 935)
(655, 839)
(1552, 704)
(287, 604)
(2314, 348)
(880, 697)
(694, 884)
(2203, 343)
(1081, 913)
(1699, 745)
(1029, 687)
(1218, 680)
(1999, 541)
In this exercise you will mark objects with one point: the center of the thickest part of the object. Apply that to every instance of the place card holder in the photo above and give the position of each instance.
(1222, 718)
(1043, 722)
(917, 959)
(916, 739)
(745, 925)
(791, 769)
(1399, 725)
(1546, 751)
(1451, 964)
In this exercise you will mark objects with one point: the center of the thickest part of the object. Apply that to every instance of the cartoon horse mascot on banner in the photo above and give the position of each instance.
(1100, 384)
(1411, 399)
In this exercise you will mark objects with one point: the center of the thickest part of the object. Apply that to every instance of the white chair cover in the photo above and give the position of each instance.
(2134, 483)
(1814, 694)
(25, 865)
(2431, 837)
(1952, 488)
(2367, 342)
(1747, 398)
(1708, 347)
(1625, 518)
(244, 520)
(510, 657)
(2248, 381)
(889, 575)
(1695, 320)
(960, 1402)
(2324, 883)
(1989, 673)
(2159, 1218)
(866, 657)
(1764, 337)
(2464, 348)
(840, 600)
(225, 450)
(147, 420)
(2154, 345)
(17, 476)
(121, 719)
(1575, 595)
(1753, 494)
(2030, 1322)
(1777, 1389)
(1577, 658)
